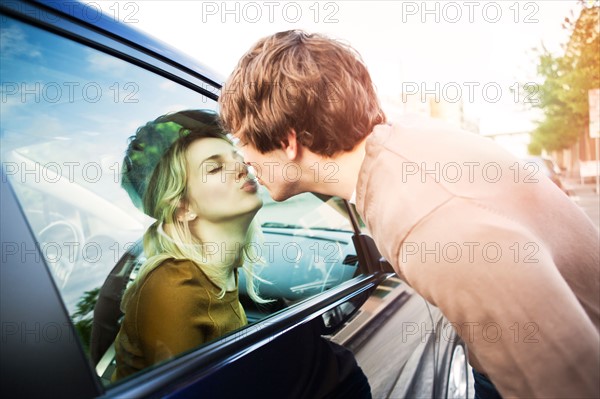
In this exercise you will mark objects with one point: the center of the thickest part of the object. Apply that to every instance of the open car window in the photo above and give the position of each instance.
(67, 113)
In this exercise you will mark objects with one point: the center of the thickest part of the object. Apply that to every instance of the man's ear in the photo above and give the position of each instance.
(292, 148)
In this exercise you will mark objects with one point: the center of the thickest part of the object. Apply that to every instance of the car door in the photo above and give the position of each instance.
(75, 86)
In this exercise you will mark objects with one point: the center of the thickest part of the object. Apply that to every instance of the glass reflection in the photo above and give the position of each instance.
(204, 202)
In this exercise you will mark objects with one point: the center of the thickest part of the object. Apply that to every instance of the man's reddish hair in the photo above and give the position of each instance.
(314, 85)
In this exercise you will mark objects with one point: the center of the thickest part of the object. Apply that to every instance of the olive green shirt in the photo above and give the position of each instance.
(175, 309)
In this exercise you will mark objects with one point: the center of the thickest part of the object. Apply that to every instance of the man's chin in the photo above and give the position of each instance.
(278, 196)
(280, 193)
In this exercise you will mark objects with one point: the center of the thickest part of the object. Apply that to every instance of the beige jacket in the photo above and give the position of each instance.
(509, 259)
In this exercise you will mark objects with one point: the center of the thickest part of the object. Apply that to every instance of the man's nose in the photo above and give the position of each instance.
(251, 171)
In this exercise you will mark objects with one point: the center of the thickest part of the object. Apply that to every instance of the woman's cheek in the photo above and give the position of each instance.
(218, 188)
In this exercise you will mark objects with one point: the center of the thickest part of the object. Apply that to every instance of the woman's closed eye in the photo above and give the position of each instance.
(214, 168)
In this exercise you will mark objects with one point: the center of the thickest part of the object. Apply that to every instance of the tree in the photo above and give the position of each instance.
(83, 316)
(563, 94)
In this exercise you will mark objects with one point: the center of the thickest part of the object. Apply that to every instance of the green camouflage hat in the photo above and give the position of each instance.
(152, 140)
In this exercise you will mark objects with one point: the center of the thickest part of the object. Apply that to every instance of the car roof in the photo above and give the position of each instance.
(85, 15)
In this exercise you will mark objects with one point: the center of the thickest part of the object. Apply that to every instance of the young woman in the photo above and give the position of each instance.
(204, 202)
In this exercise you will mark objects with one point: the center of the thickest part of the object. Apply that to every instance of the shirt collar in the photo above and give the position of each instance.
(353, 197)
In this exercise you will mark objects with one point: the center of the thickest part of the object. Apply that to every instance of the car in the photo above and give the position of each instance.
(545, 167)
(75, 86)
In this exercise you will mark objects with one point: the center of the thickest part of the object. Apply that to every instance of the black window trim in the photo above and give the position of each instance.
(211, 357)
(17, 278)
(96, 35)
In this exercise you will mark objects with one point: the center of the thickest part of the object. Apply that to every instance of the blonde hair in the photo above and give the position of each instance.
(164, 194)
(307, 82)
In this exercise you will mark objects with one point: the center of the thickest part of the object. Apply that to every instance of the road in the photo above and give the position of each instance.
(404, 336)
(588, 200)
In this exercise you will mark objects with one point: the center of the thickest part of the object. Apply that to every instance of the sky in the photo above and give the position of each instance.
(460, 51)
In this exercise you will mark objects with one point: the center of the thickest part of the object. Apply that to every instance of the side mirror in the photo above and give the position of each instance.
(336, 318)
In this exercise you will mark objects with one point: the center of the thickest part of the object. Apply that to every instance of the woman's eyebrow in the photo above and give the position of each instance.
(220, 157)
(215, 157)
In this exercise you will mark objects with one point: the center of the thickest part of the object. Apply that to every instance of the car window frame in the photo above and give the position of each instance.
(18, 281)
(118, 40)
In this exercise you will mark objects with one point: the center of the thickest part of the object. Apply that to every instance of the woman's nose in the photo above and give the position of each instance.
(242, 168)
(248, 172)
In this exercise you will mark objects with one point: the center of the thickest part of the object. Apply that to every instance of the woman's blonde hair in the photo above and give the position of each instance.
(164, 194)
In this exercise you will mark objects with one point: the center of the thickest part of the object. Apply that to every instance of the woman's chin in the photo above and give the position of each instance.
(259, 205)
(253, 209)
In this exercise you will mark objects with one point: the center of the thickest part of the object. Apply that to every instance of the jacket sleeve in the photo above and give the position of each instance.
(172, 312)
(498, 286)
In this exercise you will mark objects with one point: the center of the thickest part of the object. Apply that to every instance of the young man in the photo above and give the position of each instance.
(512, 263)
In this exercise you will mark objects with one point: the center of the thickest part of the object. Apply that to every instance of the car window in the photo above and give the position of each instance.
(68, 112)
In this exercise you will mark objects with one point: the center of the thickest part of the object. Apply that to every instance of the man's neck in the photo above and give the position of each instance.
(337, 175)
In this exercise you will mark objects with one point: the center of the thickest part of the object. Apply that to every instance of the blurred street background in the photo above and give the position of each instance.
(585, 196)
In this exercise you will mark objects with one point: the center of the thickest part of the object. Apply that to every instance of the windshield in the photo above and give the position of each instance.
(305, 211)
